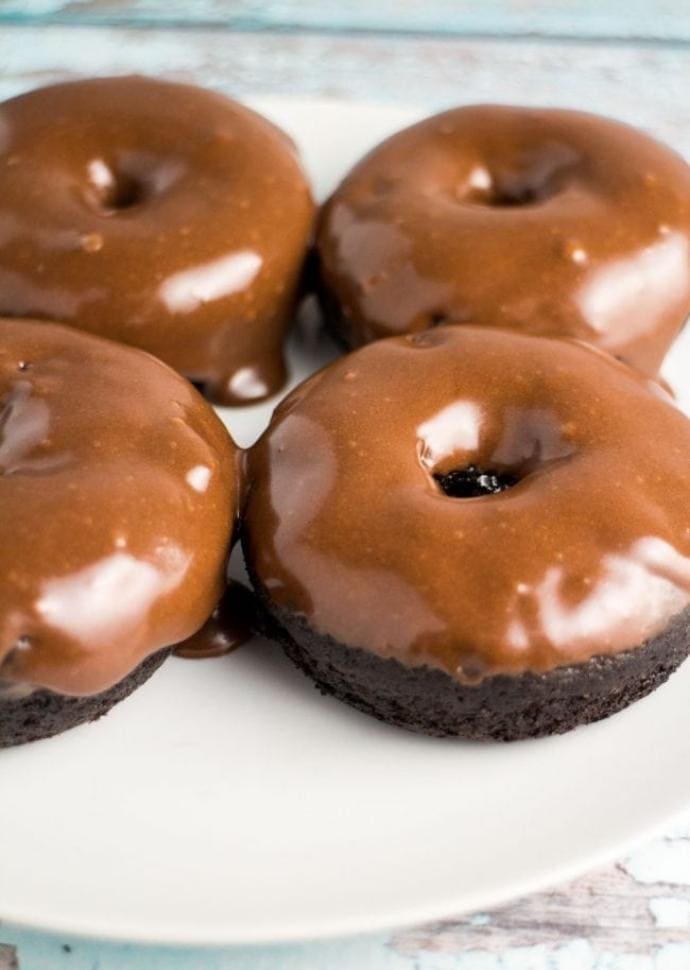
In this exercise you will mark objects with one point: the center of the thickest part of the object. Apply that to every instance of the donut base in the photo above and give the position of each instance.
(502, 707)
(45, 713)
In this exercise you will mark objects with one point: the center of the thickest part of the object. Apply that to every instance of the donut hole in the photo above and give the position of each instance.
(474, 482)
(519, 195)
(114, 189)
(508, 193)
(125, 193)
(530, 177)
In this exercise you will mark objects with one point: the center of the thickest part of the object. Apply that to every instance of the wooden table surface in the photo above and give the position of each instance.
(631, 60)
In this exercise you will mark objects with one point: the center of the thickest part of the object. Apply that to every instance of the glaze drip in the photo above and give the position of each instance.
(232, 623)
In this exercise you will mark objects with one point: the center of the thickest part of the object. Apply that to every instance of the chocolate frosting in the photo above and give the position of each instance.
(585, 551)
(543, 221)
(118, 499)
(158, 214)
(232, 624)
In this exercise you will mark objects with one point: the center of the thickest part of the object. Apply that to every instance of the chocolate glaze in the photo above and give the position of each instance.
(543, 221)
(585, 552)
(118, 499)
(232, 623)
(158, 214)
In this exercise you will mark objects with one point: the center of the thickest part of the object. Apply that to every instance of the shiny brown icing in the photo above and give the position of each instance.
(232, 624)
(158, 214)
(544, 221)
(118, 499)
(588, 554)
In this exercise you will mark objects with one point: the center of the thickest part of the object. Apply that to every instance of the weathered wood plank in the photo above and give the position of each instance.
(648, 86)
(8, 958)
(584, 18)
(609, 909)
(631, 912)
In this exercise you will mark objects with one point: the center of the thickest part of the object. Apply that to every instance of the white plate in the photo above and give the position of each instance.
(227, 802)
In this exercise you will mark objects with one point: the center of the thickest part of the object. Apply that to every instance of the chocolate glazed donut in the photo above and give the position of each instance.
(473, 532)
(543, 221)
(160, 215)
(118, 502)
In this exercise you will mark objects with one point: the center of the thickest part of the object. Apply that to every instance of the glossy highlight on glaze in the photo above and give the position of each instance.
(584, 552)
(548, 222)
(118, 502)
(158, 214)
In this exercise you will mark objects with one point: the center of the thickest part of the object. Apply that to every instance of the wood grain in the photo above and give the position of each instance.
(634, 915)
(648, 86)
(609, 909)
(8, 958)
(518, 18)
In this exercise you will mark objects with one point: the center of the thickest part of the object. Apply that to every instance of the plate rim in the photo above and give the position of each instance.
(185, 937)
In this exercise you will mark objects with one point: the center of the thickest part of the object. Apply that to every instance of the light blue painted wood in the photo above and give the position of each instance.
(660, 20)
(648, 86)
(39, 952)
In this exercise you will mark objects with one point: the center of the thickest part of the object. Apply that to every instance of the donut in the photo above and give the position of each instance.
(118, 501)
(464, 532)
(547, 222)
(160, 215)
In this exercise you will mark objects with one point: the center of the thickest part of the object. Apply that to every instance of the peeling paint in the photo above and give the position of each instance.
(675, 956)
(665, 861)
(670, 912)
